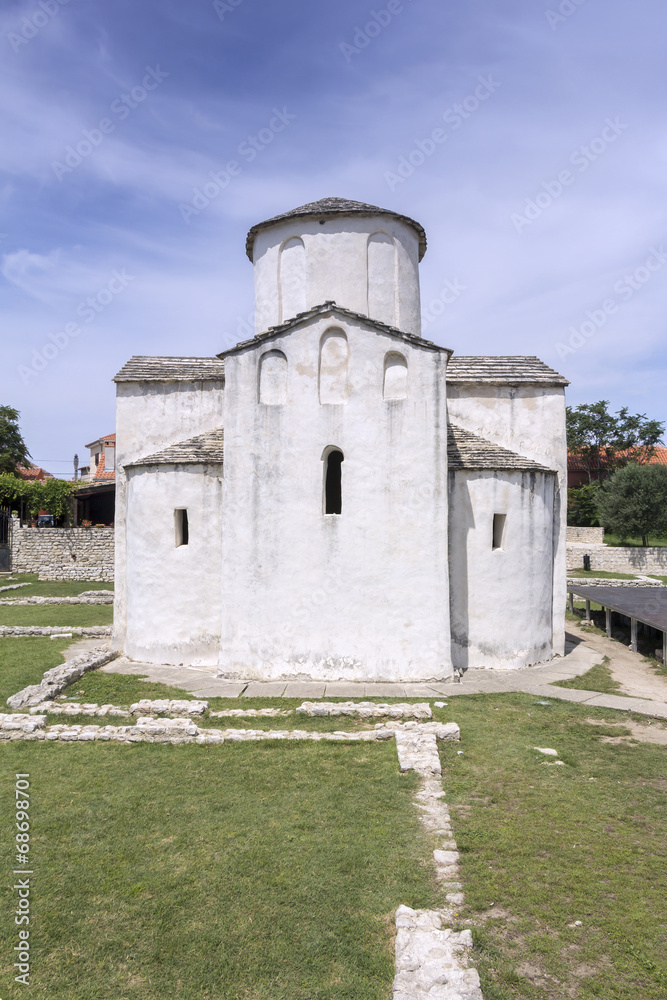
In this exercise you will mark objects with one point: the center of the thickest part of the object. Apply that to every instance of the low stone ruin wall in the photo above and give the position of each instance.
(621, 559)
(587, 536)
(63, 553)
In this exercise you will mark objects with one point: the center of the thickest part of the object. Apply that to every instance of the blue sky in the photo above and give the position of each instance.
(542, 193)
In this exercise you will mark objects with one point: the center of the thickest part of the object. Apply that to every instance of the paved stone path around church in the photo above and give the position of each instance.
(582, 653)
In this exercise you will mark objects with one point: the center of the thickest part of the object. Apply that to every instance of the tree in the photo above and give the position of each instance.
(13, 451)
(52, 495)
(634, 501)
(582, 508)
(605, 441)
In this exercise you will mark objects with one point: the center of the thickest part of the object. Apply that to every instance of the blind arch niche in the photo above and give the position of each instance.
(292, 278)
(381, 253)
(395, 384)
(272, 389)
(334, 359)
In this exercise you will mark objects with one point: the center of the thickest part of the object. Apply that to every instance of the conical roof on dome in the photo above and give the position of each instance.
(328, 207)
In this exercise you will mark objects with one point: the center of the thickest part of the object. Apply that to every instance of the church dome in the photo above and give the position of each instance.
(328, 207)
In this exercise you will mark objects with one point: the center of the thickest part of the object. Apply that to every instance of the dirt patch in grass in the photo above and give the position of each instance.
(651, 732)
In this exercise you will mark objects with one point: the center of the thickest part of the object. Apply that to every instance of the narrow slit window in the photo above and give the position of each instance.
(182, 529)
(499, 530)
(333, 492)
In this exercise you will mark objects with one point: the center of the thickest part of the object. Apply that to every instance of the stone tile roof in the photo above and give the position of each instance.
(144, 369)
(522, 369)
(466, 450)
(327, 207)
(331, 307)
(207, 447)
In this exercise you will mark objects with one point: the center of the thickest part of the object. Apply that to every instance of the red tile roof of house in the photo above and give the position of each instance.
(33, 473)
(110, 438)
(576, 464)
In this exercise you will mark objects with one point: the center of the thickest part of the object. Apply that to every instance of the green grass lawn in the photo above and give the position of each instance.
(57, 614)
(271, 871)
(24, 661)
(598, 573)
(598, 678)
(48, 588)
(653, 540)
(265, 871)
(548, 846)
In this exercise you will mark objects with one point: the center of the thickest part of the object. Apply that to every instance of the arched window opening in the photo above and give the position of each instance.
(292, 278)
(395, 376)
(382, 278)
(334, 355)
(333, 487)
(273, 378)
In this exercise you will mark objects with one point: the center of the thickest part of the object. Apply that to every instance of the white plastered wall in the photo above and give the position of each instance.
(173, 590)
(501, 599)
(529, 420)
(336, 268)
(151, 416)
(363, 595)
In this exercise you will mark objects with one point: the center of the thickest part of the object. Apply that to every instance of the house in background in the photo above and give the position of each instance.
(95, 499)
(577, 470)
(32, 473)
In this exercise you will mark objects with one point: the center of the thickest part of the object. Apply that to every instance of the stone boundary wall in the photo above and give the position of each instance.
(63, 553)
(588, 536)
(613, 559)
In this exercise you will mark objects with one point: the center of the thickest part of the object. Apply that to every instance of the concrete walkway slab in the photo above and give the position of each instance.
(219, 689)
(384, 690)
(420, 691)
(655, 709)
(344, 689)
(265, 689)
(446, 687)
(304, 689)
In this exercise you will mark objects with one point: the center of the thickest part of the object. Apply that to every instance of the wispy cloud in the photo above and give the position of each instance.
(354, 121)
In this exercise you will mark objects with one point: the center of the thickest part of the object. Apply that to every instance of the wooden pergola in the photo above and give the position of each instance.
(647, 605)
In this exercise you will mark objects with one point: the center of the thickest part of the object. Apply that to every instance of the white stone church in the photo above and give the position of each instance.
(339, 498)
